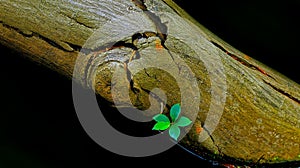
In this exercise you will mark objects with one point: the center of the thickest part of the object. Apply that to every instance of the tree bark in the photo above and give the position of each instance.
(257, 108)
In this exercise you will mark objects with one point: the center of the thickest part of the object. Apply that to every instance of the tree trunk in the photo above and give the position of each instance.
(241, 109)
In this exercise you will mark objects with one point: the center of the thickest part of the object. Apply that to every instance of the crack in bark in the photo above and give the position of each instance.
(212, 139)
(74, 46)
(140, 4)
(243, 62)
(156, 97)
(161, 28)
(161, 33)
(69, 46)
(75, 20)
(17, 30)
(101, 49)
(258, 69)
(147, 73)
(119, 44)
(283, 92)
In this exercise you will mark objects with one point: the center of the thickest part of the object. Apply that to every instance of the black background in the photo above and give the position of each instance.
(39, 128)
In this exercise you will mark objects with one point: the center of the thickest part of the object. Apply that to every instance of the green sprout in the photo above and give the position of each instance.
(164, 123)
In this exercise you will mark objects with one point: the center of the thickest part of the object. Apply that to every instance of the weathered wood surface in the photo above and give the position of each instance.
(261, 115)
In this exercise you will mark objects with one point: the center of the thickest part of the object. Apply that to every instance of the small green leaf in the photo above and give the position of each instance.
(175, 111)
(183, 121)
(161, 118)
(174, 132)
(161, 126)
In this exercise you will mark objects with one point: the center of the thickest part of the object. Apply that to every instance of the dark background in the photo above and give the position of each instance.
(41, 129)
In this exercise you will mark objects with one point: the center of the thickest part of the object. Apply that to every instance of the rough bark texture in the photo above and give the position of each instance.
(261, 107)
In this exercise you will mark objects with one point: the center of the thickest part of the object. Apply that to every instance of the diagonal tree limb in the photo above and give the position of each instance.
(260, 120)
